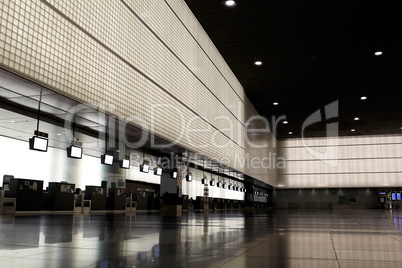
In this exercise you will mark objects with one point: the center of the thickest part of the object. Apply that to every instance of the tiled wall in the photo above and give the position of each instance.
(366, 161)
(133, 55)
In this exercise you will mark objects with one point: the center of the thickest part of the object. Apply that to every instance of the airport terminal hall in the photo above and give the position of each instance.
(200, 133)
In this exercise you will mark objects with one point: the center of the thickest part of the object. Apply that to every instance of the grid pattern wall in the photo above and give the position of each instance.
(131, 56)
(185, 15)
(260, 147)
(372, 161)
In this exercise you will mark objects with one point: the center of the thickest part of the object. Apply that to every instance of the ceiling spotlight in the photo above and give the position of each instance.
(290, 132)
(353, 130)
(378, 53)
(258, 63)
(58, 134)
(12, 121)
(275, 103)
(357, 119)
(285, 122)
(363, 98)
(230, 3)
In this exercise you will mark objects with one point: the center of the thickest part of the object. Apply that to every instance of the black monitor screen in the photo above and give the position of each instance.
(107, 159)
(158, 171)
(125, 163)
(144, 168)
(74, 152)
(38, 144)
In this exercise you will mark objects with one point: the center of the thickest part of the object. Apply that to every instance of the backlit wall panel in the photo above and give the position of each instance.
(146, 62)
(53, 166)
(366, 161)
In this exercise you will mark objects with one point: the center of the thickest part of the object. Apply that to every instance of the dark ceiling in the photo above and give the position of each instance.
(313, 53)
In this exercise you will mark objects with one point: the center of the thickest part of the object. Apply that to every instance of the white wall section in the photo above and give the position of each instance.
(364, 161)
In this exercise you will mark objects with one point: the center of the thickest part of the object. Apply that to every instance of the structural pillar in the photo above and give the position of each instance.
(171, 190)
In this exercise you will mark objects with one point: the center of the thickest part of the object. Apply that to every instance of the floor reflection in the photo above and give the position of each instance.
(289, 238)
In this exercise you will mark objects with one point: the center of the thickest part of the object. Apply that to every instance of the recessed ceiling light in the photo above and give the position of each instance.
(357, 118)
(290, 132)
(363, 98)
(230, 3)
(258, 63)
(353, 130)
(378, 53)
(285, 122)
(12, 121)
(275, 103)
(58, 134)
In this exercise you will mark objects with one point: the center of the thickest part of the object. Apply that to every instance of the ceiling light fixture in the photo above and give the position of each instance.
(230, 3)
(275, 103)
(12, 121)
(353, 130)
(378, 53)
(285, 122)
(357, 119)
(363, 98)
(258, 63)
(290, 132)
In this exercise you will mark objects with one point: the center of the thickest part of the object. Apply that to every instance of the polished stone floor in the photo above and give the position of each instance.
(284, 238)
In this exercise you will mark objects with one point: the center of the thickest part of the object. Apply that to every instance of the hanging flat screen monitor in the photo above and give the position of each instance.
(393, 196)
(218, 184)
(125, 163)
(212, 183)
(107, 159)
(189, 178)
(398, 196)
(158, 171)
(144, 168)
(204, 181)
(173, 174)
(74, 152)
(38, 144)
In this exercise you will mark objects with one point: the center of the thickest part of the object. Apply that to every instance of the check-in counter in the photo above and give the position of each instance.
(60, 197)
(28, 194)
(97, 196)
(116, 200)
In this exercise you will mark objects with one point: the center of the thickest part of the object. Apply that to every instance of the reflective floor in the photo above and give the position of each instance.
(285, 238)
